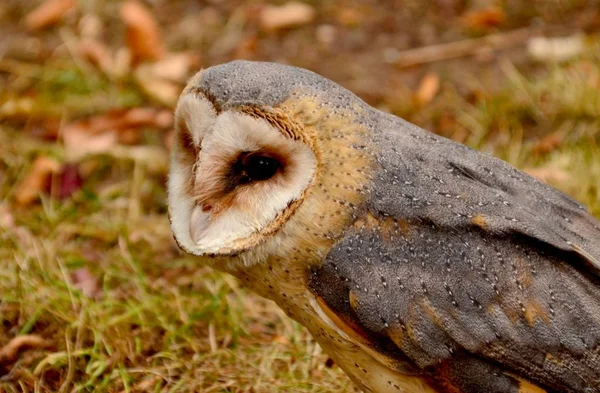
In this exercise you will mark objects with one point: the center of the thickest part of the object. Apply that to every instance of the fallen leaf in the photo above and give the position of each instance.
(145, 385)
(175, 67)
(549, 143)
(144, 37)
(555, 49)
(326, 34)
(164, 118)
(169, 138)
(37, 180)
(23, 48)
(288, 15)
(90, 27)
(162, 90)
(448, 8)
(279, 339)
(83, 280)
(447, 126)
(48, 13)
(123, 61)
(484, 19)
(98, 54)
(428, 88)
(10, 352)
(79, 141)
(349, 17)
(7, 219)
(155, 159)
(139, 117)
(548, 174)
(142, 117)
(99, 133)
(18, 107)
(69, 181)
(246, 48)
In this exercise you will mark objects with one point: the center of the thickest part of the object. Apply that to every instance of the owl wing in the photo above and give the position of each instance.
(486, 279)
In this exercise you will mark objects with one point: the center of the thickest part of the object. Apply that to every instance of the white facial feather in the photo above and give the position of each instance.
(198, 228)
(198, 114)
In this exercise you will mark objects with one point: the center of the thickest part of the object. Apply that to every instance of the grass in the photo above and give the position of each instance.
(120, 309)
(156, 321)
(160, 322)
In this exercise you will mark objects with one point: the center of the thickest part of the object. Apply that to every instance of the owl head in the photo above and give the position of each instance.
(257, 160)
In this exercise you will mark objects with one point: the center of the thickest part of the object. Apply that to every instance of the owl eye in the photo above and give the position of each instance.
(252, 167)
(261, 167)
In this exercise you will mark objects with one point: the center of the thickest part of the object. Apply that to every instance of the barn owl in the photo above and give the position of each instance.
(418, 264)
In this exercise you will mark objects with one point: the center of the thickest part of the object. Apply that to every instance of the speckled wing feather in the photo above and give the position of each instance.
(437, 179)
(480, 274)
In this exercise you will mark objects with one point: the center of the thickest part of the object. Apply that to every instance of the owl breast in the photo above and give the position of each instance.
(367, 368)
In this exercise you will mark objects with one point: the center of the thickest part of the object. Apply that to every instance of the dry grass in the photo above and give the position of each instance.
(98, 277)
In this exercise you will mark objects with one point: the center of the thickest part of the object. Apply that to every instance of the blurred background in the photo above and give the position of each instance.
(94, 294)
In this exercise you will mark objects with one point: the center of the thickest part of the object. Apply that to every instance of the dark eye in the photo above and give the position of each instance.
(261, 167)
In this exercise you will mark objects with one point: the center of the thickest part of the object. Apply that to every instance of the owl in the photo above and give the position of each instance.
(418, 264)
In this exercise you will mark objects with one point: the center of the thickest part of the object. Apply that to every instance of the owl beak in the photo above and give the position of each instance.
(199, 221)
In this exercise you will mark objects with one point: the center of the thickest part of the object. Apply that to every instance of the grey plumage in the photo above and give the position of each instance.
(483, 277)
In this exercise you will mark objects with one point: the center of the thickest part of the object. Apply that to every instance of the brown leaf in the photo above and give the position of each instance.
(288, 15)
(279, 339)
(69, 181)
(48, 13)
(428, 88)
(326, 34)
(164, 119)
(316, 373)
(79, 140)
(83, 280)
(91, 27)
(548, 174)
(36, 181)
(101, 132)
(549, 142)
(7, 219)
(246, 48)
(144, 37)
(136, 117)
(10, 352)
(162, 90)
(98, 54)
(349, 17)
(154, 158)
(123, 61)
(175, 67)
(169, 138)
(484, 19)
(18, 107)
(145, 385)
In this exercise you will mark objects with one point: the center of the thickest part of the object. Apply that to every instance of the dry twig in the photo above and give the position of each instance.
(452, 50)
(10, 352)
